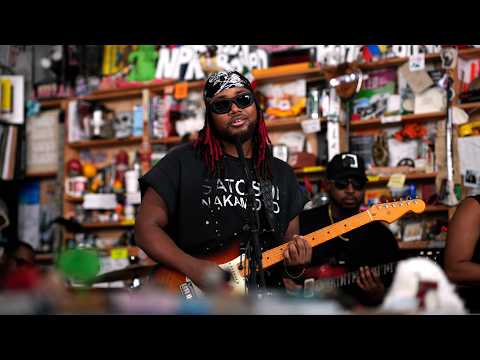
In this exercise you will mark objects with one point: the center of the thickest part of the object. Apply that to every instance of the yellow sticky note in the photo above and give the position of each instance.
(128, 222)
(310, 169)
(383, 48)
(119, 253)
(396, 181)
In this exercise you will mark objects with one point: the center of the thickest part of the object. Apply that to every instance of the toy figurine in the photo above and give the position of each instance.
(121, 166)
(143, 63)
(74, 167)
(97, 122)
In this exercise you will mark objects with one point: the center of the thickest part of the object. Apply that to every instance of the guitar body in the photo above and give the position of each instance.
(228, 259)
(325, 271)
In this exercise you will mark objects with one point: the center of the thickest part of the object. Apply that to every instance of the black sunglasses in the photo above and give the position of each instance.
(223, 106)
(341, 184)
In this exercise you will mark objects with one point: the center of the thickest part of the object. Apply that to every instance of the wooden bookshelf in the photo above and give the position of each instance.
(376, 122)
(410, 177)
(73, 199)
(46, 104)
(436, 208)
(468, 106)
(120, 93)
(286, 72)
(287, 123)
(419, 245)
(167, 140)
(106, 225)
(469, 54)
(105, 143)
(41, 175)
(44, 257)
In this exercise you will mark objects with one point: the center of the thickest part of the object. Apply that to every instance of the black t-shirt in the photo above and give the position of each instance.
(204, 214)
(370, 245)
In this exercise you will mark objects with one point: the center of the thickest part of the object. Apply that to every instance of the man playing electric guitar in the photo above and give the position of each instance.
(194, 200)
(361, 249)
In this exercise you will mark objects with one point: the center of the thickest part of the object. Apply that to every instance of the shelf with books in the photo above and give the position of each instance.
(376, 122)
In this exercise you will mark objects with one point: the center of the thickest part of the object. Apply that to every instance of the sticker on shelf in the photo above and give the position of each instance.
(181, 90)
(396, 181)
(99, 201)
(416, 62)
(390, 119)
(311, 126)
(134, 198)
(311, 169)
(119, 253)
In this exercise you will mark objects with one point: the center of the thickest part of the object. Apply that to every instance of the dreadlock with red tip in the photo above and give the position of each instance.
(210, 146)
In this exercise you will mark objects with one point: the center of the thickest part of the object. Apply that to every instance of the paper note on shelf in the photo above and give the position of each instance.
(396, 181)
(119, 253)
(100, 201)
(390, 119)
(311, 126)
(416, 62)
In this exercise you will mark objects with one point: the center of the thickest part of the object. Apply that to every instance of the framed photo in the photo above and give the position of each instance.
(472, 178)
(412, 231)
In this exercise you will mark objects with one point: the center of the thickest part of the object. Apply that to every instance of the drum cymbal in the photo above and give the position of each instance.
(125, 274)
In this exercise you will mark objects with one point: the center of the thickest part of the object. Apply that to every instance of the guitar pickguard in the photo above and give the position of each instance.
(237, 282)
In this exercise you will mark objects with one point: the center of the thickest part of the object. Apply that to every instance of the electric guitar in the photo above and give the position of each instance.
(331, 277)
(229, 259)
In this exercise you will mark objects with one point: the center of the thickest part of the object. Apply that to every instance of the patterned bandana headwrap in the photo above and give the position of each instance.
(223, 80)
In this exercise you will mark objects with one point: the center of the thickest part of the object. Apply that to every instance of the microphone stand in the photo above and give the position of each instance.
(253, 250)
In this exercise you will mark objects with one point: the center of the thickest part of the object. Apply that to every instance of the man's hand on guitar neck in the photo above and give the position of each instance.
(298, 252)
(371, 283)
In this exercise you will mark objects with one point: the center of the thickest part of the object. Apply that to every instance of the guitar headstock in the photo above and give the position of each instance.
(392, 211)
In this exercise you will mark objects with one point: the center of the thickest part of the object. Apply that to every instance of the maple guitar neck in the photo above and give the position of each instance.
(388, 212)
(275, 255)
